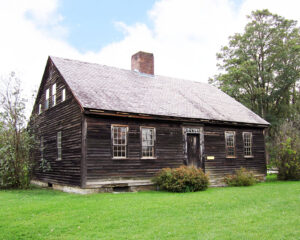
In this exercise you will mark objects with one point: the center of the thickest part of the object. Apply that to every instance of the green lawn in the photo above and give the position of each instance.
(266, 211)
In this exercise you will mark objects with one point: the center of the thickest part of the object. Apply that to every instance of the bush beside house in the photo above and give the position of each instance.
(182, 179)
(241, 177)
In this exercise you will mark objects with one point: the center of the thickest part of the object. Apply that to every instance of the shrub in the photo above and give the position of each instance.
(241, 177)
(288, 161)
(182, 179)
(15, 140)
(284, 148)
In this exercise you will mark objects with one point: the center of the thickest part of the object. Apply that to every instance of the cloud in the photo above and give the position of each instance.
(25, 43)
(185, 36)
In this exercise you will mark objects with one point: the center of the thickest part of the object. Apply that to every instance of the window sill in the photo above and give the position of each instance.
(230, 157)
(248, 156)
(148, 158)
(119, 158)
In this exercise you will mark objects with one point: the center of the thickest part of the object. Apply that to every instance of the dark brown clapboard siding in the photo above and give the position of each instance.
(214, 141)
(169, 149)
(101, 165)
(65, 117)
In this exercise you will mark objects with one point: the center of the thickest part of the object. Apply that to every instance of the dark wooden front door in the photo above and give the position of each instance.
(193, 150)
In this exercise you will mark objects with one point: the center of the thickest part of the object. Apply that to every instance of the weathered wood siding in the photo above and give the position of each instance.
(65, 117)
(169, 149)
(214, 140)
(99, 160)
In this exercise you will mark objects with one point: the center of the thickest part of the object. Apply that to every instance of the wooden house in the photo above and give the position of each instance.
(102, 128)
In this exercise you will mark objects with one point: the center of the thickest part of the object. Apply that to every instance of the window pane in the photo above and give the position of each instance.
(59, 145)
(63, 95)
(47, 103)
(54, 89)
(40, 108)
(230, 143)
(147, 142)
(119, 141)
(247, 136)
(53, 99)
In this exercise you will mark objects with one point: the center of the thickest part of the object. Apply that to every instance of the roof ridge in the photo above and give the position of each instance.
(131, 71)
(99, 86)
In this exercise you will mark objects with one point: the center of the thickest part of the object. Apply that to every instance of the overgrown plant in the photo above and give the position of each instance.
(288, 161)
(241, 177)
(15, 141)
(284, 149)
(182, 179)
(287, 151)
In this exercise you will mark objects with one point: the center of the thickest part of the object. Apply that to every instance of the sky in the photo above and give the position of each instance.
(183, 35)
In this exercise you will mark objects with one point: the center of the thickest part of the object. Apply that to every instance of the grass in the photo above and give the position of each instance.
(268, 210)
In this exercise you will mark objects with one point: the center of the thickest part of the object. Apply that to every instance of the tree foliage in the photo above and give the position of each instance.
(15, 141)
(261, 67)
(285, 150)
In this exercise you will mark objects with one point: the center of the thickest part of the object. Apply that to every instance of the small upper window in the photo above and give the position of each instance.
(59, 145)
(53, 95)
(230, 143)
(40, 108)
(63, 95)
(247, 137)
(47, 99)
(148, 137)
(119, 136)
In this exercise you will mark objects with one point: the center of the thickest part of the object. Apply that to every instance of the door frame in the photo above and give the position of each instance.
(194, 129)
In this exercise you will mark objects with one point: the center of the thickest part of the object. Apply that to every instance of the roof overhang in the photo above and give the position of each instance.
(102, 112)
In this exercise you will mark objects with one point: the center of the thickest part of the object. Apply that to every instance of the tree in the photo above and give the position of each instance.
(261, 67)
(15, 141)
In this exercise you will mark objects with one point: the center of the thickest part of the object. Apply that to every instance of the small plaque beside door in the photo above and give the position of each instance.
(210, 157)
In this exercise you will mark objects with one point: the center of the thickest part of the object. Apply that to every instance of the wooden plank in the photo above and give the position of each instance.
(83, 152)
(65, 117)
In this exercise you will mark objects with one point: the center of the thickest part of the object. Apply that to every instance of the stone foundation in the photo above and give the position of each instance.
(116, 186)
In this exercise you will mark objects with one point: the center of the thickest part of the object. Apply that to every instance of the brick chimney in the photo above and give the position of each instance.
(143, 62)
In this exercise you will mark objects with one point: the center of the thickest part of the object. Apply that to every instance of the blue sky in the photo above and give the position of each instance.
(91, 23)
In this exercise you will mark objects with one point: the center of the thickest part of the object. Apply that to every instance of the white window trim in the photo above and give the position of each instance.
(42, 147)
(234, 144)
(126, 141)
(154, 139)
(59, 145)
(53, 96)
(63, 95)
(47, 99)
(40, 108)
(251, 144)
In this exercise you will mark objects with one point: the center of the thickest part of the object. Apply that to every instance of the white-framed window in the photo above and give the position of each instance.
(230, 143)
(148, 140)
(247, 138)
(59, 145)
(119, 140)
(63, 94)
(42, 148)
(40, 108)
(47, 99)
(53, 95)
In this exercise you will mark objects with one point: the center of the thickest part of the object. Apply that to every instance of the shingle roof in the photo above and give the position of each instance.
(108, 88)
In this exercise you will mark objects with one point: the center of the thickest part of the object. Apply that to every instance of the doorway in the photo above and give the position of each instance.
(193, 150)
